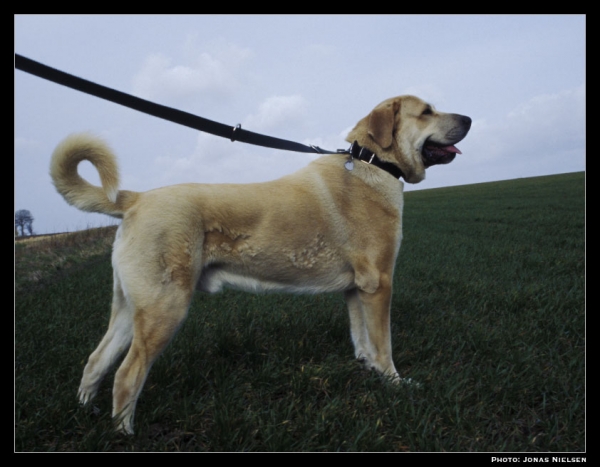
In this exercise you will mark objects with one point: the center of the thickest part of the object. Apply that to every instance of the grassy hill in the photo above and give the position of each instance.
(488, 315)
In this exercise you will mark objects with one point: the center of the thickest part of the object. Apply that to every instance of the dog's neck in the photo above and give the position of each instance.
(365, 155)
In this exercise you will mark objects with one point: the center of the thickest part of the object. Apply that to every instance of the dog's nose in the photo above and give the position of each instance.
(466, 121)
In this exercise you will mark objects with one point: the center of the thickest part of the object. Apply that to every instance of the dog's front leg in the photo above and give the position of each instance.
(369, 308)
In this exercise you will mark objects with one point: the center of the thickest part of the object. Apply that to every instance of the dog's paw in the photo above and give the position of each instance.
(123, 425)
(85, 396)
(124, 430)
(409, 382)
(398, 381)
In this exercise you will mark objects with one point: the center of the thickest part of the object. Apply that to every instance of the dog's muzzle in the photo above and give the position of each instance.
(434, 153)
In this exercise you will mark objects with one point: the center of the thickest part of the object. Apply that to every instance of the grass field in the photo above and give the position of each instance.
(488, 315)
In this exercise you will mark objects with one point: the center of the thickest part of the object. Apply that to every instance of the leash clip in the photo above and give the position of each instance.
(317, 149)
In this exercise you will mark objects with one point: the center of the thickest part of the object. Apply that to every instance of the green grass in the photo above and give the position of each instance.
(488, 315)
(42, 258)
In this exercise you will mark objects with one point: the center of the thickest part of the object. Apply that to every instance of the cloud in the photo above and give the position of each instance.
(329, 142)
(160, 79)
(277, 112)
(209, 70)
(218, 160)
(26, 144)
(551, 120)
(546, 126)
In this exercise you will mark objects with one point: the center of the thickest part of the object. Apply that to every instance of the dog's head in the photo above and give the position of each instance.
(411, 134)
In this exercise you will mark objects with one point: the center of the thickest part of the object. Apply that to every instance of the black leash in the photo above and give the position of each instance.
(168, 113)
(193, 121)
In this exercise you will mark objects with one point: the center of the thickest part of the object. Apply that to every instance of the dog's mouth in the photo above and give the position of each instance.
(433, 154)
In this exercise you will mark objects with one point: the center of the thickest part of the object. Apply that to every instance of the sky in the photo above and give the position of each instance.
(305, 78)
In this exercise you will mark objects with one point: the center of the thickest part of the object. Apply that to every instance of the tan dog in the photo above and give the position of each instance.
(329, 227)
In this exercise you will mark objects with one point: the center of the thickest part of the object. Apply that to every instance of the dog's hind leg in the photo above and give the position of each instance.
(116, 340)
(154, 325)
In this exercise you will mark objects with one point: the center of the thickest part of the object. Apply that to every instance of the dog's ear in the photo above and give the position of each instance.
(381, 123)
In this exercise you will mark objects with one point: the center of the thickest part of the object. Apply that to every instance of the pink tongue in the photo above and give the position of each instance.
(452, 149)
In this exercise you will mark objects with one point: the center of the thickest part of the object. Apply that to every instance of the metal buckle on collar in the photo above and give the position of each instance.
(371, 158)
(360, 155)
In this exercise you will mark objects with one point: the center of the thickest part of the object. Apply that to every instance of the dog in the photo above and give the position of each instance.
(333, 226)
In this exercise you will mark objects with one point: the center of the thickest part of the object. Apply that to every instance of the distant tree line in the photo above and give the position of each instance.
(23, 221)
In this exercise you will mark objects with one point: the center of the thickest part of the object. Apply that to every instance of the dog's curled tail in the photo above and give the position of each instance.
(107, 199)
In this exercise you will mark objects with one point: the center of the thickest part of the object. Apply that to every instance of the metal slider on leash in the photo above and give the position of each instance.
(235, 128)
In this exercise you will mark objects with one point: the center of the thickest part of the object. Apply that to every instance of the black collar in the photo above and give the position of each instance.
(365, 155)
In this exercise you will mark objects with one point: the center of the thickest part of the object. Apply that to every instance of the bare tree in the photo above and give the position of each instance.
(24, 221)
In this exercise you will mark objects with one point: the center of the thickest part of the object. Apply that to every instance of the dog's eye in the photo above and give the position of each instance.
(427, 111)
